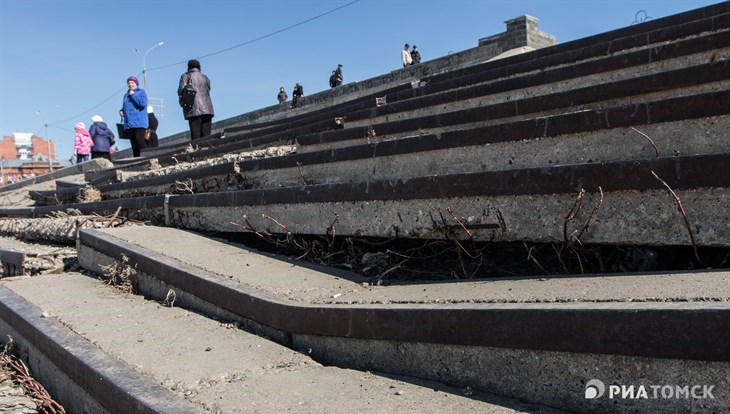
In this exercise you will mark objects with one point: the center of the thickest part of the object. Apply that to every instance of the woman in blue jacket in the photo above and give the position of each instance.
(134, 112)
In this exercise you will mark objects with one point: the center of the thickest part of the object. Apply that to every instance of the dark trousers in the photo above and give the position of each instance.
(200, 126)
(100, 154)
(136, 138)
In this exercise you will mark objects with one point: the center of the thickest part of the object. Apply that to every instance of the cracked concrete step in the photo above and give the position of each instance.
(220, 368)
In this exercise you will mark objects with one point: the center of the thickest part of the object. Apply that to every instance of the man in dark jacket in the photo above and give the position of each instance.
(415, 56)
(338, 73)
(200, 115)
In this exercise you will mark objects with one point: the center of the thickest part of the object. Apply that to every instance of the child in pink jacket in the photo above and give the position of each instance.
(82, 143)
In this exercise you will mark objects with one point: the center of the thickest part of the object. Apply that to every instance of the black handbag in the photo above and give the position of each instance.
(121, 132)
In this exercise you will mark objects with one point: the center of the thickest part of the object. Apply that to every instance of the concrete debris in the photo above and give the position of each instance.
(237, 157)
(58, 229)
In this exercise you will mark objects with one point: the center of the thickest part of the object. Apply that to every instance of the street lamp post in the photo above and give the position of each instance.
(2, 170)
(48, 140)
(144, 64)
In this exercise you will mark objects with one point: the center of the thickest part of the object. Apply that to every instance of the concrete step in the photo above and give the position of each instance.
(461, 333)
(112, 351)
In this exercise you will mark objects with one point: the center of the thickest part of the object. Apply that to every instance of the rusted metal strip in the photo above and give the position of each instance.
(17, 211)
(107, 207)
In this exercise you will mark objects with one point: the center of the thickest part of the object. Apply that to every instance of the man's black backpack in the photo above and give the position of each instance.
(187, 95)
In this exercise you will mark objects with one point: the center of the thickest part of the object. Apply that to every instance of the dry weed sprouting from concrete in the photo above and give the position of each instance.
(89, 195)
(121, 275)
(14, 369)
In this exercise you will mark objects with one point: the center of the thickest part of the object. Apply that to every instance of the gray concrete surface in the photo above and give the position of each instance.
(625, 217)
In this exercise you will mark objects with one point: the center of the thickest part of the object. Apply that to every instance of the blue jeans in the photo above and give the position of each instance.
(81, 158)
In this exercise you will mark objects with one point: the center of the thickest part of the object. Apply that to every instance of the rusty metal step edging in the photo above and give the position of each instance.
(128, 205)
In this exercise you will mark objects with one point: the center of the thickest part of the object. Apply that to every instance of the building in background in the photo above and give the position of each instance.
(24, 155)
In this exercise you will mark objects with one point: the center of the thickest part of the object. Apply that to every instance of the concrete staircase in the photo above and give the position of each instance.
(591, 142)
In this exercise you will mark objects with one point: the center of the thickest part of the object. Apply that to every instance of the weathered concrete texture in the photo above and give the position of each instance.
(62, 229)
(57, 173)
(223, 159)
(73, 397)
(185, 178)
(191, 357)
(81, 378)
(625, 217)
(554, 378)
(694, 136)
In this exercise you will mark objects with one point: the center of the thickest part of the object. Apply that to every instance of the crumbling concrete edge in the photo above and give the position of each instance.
(11, 259)
(78, 374)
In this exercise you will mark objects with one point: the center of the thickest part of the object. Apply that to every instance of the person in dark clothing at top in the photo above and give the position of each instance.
(297, 95)
(415, 56)
(333, 79)
(338, 73)
(152, 140)
(200, 116)
(102, 136)
(282, 96)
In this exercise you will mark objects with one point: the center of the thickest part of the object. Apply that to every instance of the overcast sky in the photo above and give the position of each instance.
(64, 61)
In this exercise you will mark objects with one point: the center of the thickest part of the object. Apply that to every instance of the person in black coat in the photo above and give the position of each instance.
(415, 56)
(297, 95)
(152, 130)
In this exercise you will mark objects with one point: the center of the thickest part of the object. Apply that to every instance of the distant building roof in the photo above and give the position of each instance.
(23, 138)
